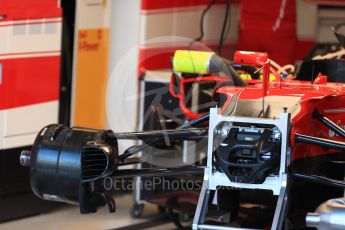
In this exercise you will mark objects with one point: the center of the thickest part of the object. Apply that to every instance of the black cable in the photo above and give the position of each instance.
(202, 19)
(223, 33)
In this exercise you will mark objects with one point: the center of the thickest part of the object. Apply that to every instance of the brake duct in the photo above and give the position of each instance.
(69, 164)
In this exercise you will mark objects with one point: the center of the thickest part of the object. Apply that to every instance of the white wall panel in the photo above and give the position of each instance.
(125, 33)
(29, 119)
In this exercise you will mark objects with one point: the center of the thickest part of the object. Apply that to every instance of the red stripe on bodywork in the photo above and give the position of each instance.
(27, 81)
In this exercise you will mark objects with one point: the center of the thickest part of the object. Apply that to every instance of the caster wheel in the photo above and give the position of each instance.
(180, 219)
(137, 210)
(184, 217)
(161, 209)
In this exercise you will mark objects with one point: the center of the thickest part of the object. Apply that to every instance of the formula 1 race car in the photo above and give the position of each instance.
(273, 147)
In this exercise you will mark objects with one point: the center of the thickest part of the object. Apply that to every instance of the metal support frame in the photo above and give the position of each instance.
(213, 178)
(187, 147)
(138, 180)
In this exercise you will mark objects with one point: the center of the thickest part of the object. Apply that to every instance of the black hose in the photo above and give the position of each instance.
(236, 78)
(219, 64)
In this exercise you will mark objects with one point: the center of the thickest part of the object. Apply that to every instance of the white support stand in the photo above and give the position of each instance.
(213, 178)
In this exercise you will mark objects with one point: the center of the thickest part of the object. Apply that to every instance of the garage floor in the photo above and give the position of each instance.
(68, 217)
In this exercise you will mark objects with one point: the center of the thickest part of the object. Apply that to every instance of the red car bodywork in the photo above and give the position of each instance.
(300, 98)
(327, 98)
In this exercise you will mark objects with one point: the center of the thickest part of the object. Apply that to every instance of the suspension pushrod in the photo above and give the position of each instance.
(158, 172)
(328, 123)
(189, 133)
(131, 151)
(299, 138)
(319, 179)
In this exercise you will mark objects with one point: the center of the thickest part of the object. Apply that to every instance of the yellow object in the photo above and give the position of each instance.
(246, 76)
(196, 62)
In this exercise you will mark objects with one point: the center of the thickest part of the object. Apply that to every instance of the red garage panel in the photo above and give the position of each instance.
(19, 13)
(29, 4)
(28, 81)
